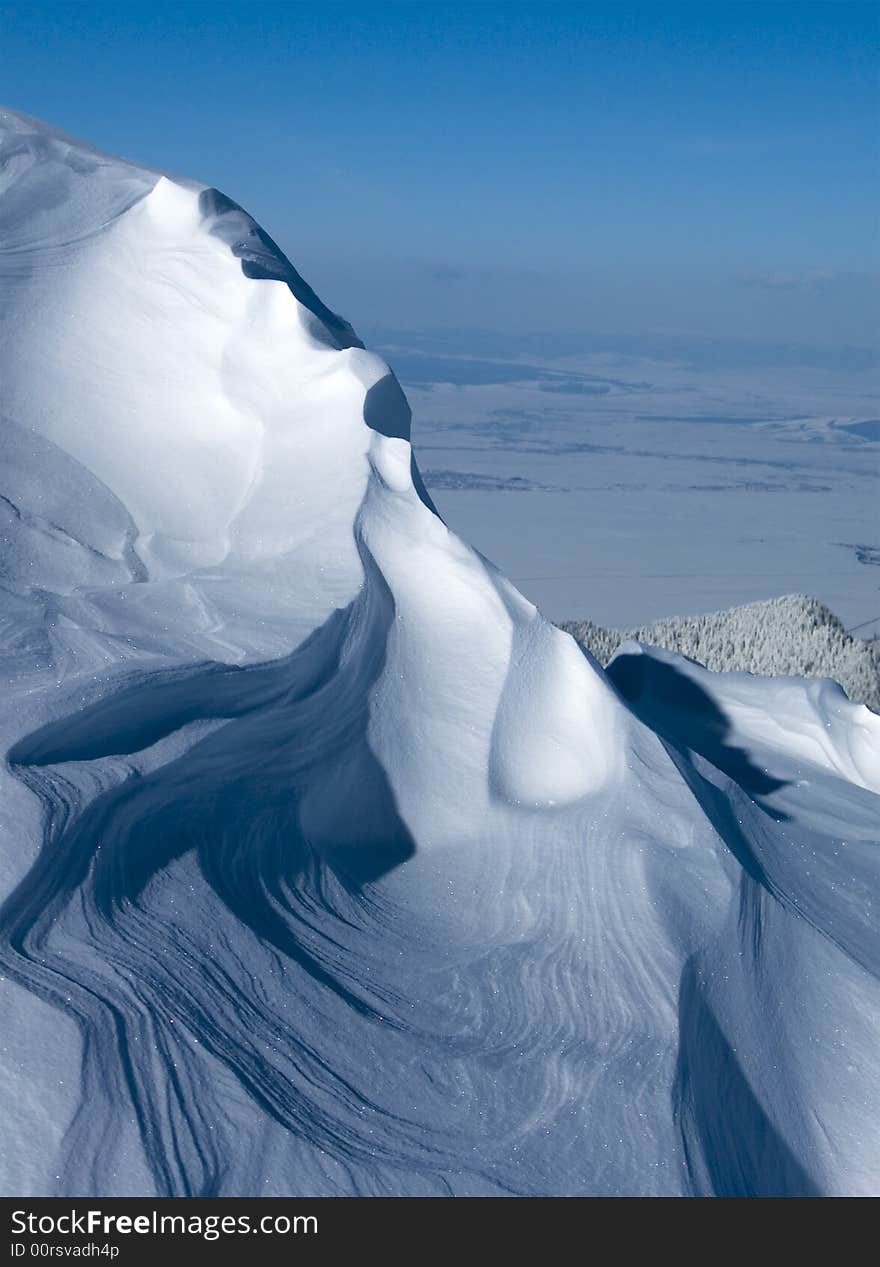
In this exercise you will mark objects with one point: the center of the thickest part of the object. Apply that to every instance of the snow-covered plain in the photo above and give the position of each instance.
(328, 864)
(626, 479)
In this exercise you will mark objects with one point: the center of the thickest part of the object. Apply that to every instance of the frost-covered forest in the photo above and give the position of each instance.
(791, 635)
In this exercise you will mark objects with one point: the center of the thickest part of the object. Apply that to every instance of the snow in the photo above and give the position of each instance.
(328, 865)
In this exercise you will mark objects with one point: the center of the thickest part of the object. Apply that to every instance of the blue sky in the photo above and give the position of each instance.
(638, 167)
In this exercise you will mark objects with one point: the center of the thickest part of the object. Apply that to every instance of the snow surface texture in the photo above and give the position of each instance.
(329, 865)
(794, 634)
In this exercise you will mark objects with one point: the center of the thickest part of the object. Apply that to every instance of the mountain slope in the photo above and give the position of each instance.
(329, 865)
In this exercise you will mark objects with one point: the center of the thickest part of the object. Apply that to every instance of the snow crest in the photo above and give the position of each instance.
(328, 865)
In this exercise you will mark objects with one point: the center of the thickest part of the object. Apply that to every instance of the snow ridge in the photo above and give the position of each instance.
(328, 865)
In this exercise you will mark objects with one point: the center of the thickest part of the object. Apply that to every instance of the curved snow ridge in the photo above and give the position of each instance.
(157, 285)
(346, 871)
(499, 691)
(262, 258)
(799, 723)
(48, 178)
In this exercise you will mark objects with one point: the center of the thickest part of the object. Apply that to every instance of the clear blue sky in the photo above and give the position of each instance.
(671, 159)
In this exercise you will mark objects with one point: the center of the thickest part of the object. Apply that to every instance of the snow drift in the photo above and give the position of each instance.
(328, 865)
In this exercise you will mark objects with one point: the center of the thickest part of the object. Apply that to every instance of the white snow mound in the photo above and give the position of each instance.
(327, 864)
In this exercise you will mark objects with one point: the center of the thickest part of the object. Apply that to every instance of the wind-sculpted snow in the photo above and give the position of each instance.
(328, 865)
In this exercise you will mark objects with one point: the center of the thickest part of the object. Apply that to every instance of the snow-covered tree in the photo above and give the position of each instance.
(791, 635)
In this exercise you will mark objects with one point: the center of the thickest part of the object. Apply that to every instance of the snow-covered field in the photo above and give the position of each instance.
(627, 479)
(328, 865)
